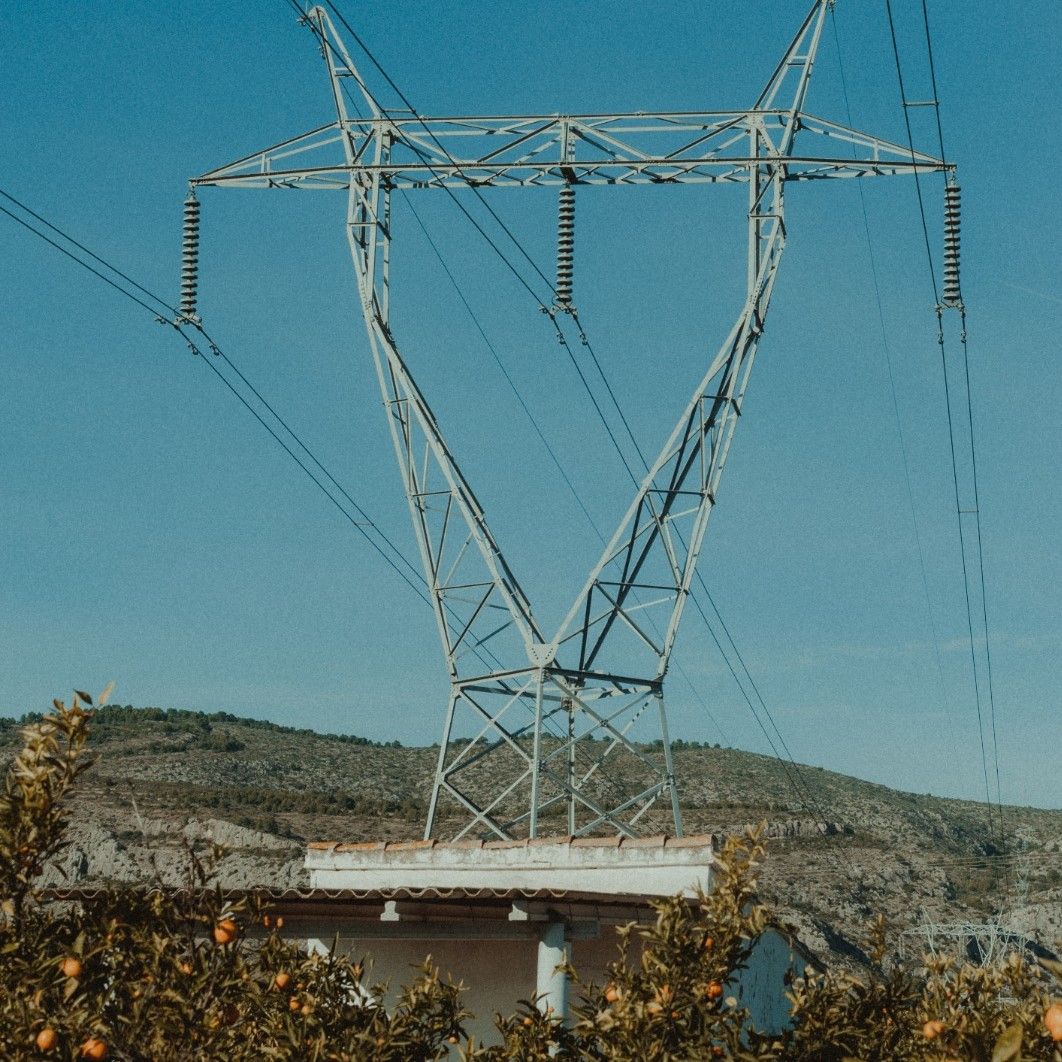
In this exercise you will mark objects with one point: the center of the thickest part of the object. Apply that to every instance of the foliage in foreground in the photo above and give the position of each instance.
(191, 975)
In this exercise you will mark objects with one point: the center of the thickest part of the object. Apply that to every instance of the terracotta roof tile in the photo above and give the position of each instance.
(537, 842)
(696, 840)
(656, 841)
(411, 846)
(700, 840)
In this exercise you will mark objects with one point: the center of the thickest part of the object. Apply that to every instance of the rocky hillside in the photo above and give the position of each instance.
(168, 782)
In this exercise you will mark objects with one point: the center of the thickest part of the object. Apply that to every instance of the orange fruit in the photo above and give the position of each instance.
(280, 922)
(46, 1039)
(612, 993)
(932, 1029)
(709, 943)
(185, 967)
(225, 931)
(529, 1021)
(71, 967)
(266, 920)
(1053, 1021)
(293, 1004)
(713, 990)
(451, 1039)
(281, 980)
(94, 1048)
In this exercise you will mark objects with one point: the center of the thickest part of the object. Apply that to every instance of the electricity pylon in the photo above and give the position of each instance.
(538, 729)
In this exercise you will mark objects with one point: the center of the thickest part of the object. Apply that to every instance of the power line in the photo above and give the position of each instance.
(886, 350)
(910, 144)
(192, 345)
(81, 247)
(704, 587)
(965, 574)
(933, 78)
(981, 566)
(291, 453)
(326, 44)
(537, 427)
(973, 446)
(697, 605)
(438, 143)
(482, 653)
(107, 280)
(950, 421)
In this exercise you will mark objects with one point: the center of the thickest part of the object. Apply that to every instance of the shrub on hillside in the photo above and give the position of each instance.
(189, 975)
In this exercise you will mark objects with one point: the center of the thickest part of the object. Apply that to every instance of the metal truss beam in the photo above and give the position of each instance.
(539, 734)
(529, 151)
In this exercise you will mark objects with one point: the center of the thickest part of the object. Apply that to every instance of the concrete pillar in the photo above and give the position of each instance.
(552, 984)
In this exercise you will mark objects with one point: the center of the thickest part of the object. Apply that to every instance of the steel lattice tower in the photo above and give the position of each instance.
(550, 714)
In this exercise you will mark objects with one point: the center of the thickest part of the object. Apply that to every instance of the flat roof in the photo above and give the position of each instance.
(699, 840)
(603, 866)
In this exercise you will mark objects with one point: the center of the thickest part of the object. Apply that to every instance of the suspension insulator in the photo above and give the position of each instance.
(952, 201)
(190, 259)
(565, 248)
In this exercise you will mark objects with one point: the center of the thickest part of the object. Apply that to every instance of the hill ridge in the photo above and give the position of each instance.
(265, 789)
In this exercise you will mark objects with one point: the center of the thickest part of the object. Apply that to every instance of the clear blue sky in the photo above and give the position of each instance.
(152, 533)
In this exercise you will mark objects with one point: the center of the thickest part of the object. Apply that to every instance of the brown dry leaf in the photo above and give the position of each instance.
(1008, 1046)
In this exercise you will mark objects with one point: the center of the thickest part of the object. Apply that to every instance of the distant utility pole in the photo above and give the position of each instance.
(538, 732)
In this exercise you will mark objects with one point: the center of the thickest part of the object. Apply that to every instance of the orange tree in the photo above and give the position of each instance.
(189, 974)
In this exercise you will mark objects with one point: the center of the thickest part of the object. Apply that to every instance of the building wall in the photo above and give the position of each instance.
(497, 974)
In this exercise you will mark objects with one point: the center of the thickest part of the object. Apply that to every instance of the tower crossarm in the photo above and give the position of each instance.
(613, 149)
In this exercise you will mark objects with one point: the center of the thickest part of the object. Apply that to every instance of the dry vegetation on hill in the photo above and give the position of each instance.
(163, 777)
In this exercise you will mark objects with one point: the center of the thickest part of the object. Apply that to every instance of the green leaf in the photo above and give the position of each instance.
(1008, 1046)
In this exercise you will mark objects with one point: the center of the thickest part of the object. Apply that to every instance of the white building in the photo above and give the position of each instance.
(502, 916)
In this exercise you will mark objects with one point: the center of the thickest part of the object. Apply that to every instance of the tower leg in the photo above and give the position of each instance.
(433, 805)
(536, 759)
(669, 766)
(571, 768)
